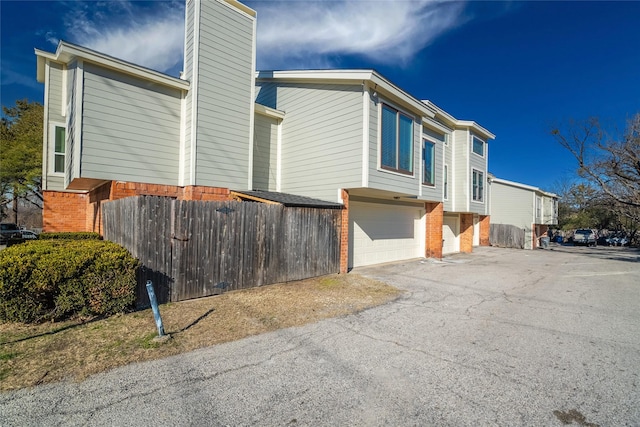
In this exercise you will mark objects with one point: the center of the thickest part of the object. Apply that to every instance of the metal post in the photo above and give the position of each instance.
(154, 307)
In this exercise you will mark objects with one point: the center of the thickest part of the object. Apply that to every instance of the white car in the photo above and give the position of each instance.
(28, 235)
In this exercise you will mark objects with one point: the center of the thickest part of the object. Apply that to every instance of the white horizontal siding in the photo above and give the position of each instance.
(321, 138)
(265, 147)
(224, 104)
(478, 163)
(461, 172)
(55, 112)
(131, 129)
(511, 205)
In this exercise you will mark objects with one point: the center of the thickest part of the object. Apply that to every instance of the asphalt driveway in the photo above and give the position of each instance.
(498, 337)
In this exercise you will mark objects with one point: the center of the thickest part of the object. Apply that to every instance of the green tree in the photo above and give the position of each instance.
(21, 156)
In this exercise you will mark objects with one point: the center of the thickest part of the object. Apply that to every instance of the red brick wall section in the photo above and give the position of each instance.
(466, 233)
(64, 211)
(195, 192)
(344, 234)
(433, 230)
(485, 229)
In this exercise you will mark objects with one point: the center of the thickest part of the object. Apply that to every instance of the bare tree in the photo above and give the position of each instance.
(611, 164)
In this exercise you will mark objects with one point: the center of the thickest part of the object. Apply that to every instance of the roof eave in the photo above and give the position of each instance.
(67, 52)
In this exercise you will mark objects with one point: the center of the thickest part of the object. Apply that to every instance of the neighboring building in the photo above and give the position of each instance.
(528, 208)
(412, 178)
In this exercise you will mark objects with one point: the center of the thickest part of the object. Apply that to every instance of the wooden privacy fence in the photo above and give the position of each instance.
(191, 249)
(506, 236)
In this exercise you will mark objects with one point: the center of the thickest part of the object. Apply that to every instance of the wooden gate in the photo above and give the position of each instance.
(192, 249)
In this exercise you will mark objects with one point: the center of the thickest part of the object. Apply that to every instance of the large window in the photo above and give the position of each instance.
(478, 146)
(478, 186)
(397, 141)
(59, 149)
(428, 160)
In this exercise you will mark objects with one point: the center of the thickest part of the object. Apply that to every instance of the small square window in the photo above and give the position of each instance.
(478, 146)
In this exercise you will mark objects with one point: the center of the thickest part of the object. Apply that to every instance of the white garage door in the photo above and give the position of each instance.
(450, 232)
(382, 233)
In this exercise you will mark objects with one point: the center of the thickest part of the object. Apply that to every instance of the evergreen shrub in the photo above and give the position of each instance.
(60, 278)
(80, 235)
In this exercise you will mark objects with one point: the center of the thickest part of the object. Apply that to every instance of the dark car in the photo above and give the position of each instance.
(9, 231)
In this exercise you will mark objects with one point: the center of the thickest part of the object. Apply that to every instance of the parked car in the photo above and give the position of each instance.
(9, 231)
(28, 235)
(618, 240)
(585, 236)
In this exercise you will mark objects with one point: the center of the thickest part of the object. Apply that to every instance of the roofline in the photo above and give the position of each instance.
(269, 112)
(375, 80)
(523, 186)
(455, 123)
(67, 52)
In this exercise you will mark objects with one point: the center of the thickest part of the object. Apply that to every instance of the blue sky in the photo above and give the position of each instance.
(514, 67)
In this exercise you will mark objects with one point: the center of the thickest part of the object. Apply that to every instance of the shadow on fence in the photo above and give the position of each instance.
(191, 249)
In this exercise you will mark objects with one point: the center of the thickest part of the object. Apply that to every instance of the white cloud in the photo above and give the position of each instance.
(299, 34)
(149, 36)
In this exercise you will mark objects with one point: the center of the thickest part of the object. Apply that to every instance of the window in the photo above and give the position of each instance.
(397, 141)
(478, 146)
(478, 186)
(538, 207)
(59, 149)
(445, 184)
(428, 160)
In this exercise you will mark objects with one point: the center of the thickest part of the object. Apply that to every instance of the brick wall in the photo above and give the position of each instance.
(65, 211)
(466, 233)
(344, 234)
(485, 229)
(433, 230)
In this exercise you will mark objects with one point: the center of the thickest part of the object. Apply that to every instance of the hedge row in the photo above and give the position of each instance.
(57, 279)
(70, 236)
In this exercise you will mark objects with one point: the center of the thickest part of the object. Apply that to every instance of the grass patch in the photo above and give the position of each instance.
(74, 349)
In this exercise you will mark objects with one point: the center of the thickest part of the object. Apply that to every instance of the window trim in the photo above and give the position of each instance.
(432, 184)
(52, 144)
(445, 182)
(397, 170)
(480, 185)
(473, 138)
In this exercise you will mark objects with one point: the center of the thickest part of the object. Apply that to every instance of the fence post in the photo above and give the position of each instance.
(155, 309)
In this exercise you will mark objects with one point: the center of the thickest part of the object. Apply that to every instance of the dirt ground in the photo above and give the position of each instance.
(36, 354)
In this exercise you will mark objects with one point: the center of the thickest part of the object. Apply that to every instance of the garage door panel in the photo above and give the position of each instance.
(450, 234)
(383, 233)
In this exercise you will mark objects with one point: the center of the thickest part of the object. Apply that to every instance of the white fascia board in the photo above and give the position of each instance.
(376, 83)
(67, 52)
(440, 113)
(476, 128)
(241, 7)
(515, 184)
(263, 110)
(435, 125)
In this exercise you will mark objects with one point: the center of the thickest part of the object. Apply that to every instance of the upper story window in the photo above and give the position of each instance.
(538, 207)
(397, 141)
(428, 163)
(478, 146)
(478, 186)
(59, 149)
